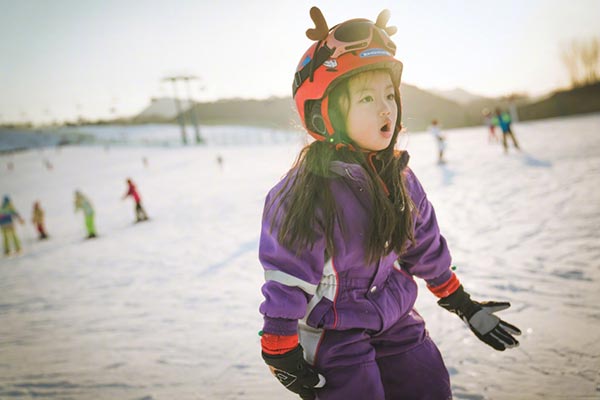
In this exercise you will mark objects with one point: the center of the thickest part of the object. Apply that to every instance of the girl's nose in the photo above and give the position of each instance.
(384, 107)
(385, 110)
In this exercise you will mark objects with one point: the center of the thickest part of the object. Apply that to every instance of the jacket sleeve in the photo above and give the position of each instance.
(291, 277)
(429, 258)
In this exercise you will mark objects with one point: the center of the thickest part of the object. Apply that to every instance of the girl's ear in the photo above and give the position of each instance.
(316, 119)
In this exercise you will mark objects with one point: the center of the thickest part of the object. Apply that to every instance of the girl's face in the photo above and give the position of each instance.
(372, 110)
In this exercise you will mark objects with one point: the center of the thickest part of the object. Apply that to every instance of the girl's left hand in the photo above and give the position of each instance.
(481, 319)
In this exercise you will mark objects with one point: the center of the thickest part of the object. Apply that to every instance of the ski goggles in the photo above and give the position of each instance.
(356, 35)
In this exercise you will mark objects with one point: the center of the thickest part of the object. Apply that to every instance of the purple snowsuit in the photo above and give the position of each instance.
(356, 322)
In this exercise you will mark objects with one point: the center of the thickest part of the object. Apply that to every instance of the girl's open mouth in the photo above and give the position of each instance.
(386, 130)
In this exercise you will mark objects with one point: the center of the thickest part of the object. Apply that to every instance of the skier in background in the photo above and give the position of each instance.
(82, 203)
(38, 220)
(140, 213)
(436, 130)
(489, 121)
(7, 224)
(505, 120)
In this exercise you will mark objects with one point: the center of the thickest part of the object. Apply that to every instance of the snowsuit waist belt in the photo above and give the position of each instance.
(360, 305)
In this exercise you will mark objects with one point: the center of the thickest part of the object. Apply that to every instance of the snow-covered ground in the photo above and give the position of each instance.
(168, 309)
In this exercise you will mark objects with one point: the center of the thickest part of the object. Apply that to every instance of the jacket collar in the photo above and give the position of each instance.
(351, 171)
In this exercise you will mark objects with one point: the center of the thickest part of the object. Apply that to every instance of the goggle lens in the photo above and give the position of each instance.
(353, 32)
(356, 35)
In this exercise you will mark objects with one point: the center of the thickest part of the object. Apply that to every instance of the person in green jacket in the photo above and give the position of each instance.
(82, 203)
(7, 216)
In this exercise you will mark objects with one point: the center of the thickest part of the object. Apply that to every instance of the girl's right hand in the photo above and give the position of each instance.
(294, 372)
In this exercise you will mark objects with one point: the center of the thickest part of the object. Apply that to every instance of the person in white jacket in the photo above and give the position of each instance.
(440, 139)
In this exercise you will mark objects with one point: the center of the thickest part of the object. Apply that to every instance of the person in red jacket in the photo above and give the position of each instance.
(140, 213)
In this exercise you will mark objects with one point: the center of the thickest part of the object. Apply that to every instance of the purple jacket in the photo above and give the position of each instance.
(344, 293)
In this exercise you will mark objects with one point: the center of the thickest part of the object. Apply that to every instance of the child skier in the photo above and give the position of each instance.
(38, 220)
(489, 121)
(140, 213)
(7, 224)
(346, 230)
(82, 203)
(440, 140)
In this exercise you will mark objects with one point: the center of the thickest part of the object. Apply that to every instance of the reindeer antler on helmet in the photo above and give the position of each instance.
(320, 31)
(382, 20)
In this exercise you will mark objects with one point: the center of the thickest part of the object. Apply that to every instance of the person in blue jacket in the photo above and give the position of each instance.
(504, 121)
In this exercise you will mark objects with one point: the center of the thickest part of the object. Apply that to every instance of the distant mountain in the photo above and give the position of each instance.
(458, 95)
(274, 112)
(161, 109)
(420, 107)
(579, 100)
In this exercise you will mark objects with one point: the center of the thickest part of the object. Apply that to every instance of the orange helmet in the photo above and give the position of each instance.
(347, 49)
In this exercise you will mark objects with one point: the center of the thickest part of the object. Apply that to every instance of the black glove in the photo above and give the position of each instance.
(294, 372)
(481, 319)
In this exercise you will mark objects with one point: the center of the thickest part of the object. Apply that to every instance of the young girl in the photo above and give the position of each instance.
(346, 230)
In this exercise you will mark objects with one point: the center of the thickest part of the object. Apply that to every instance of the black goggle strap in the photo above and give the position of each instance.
(322, 55)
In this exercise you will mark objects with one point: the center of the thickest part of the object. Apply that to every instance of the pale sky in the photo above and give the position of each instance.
(63, 58)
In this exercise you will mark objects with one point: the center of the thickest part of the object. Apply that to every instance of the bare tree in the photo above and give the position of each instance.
(570, 59)
(582, 60)
(590, 59)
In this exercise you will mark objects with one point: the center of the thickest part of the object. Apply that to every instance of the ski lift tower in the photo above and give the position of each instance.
(174, 79)
(191, 103)
(192, 108)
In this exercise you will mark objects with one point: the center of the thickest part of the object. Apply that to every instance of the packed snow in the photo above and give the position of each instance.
(168, 309)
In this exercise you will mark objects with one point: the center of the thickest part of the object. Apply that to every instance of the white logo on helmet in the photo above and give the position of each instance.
(374, 53)
(331, 63)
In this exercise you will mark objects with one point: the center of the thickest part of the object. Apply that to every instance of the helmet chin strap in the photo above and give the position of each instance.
(337, 139)
(325, 114)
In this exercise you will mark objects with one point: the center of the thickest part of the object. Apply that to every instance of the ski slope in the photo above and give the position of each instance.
(168, 309)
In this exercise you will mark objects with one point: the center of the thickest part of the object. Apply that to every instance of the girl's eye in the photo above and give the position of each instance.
(366, 99)
(391, 96)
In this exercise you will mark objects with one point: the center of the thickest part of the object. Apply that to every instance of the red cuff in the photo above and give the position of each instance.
(277, 344)
(445, 289)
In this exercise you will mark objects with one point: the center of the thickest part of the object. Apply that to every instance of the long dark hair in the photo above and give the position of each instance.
(308, 201)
